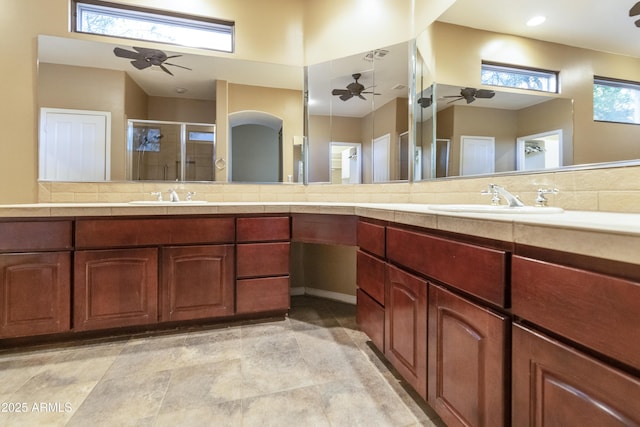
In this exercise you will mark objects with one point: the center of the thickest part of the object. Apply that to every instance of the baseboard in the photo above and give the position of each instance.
(321, 293)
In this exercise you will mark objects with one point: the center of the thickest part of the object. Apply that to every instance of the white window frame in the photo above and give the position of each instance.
(633, 93)
(175, 28)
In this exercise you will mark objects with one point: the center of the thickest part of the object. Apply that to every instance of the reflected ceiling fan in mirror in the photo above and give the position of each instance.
(635, 11)
(353, 89)
(470, 94)
(145, 58)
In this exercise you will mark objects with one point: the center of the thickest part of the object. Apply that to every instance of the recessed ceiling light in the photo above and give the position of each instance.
(536, 20)
(181, 90)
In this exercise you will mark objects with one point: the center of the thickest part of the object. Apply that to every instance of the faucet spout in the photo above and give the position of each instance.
(173, 196)
(512, 201)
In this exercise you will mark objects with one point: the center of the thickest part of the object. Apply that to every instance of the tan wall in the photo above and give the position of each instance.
(62, 86)
(181, 110)
(459, 52)
(330, 268)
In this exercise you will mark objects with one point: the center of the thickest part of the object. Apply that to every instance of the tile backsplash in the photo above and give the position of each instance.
(605, 189)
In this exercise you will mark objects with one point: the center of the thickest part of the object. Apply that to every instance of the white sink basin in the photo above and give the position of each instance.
(168, 203)
(500, 209)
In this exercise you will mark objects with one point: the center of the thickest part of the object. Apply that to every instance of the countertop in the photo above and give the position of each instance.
(606, 235)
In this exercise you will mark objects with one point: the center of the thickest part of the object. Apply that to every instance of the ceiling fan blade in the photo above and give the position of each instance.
(339, 92)
(362, 97)
(176, 65)
(484, 93)
(123, 53)
(347, 96)
(165, 69)
(457, 98)
(141, 64)
(635, 10)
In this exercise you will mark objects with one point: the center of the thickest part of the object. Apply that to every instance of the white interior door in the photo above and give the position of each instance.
(381, 151)
(477, 155)
(74, 145)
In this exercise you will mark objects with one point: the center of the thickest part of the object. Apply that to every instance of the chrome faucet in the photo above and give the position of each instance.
(173, 196)
(541, 200)
(496, 191)
(190, 195)
(158, 195)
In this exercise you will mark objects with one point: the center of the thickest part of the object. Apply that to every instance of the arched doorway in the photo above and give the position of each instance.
(255, 147)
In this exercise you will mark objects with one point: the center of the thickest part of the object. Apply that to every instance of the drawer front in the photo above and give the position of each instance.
(595, 310)
(262, 295)
(262, 259)
(114, 232)
(324, 229)
(370, 276)
(370, 318)
(477, 270)
(23, 236)
(371, 238)
(267, 229)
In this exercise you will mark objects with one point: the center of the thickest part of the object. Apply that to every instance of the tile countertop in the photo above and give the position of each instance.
(606, 235)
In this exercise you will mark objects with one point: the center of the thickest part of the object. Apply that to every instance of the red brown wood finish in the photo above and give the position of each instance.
(597, 311)
(474, 269)
(262, 259)
(34, 293)
(114, 288)
(325, 229)
(262, 295)
(22, 236)
(370, 276)
(370, 318)
(267, 229)
(197, 282)
(371, 238)
(555, 385)
(118, 232)
(466, 361)
(406, 327)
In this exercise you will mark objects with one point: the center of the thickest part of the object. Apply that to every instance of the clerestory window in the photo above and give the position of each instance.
(116, 20)
(616, 101)
(493, 74)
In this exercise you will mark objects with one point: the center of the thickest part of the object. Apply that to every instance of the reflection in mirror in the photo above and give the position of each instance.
(358, 100)
(488, 135)
(82, 75)
(540, 151)
(346, 162)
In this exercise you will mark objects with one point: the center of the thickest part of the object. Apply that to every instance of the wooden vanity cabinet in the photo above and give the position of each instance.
(35, 277)
(556, 385)
(467, 361)
(370, 282)
(263, 266)
(405, 343)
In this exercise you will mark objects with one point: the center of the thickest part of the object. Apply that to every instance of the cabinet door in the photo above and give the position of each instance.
(34, 293)
(555, 385)
(466, 361)
(406, 326)
(370, 318)
(197, 282)
(262, 295)
(114, 288)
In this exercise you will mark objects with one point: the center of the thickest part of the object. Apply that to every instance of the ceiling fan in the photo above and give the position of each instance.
(470, 94)
(145, 58)
(635, 11)
(353, 89)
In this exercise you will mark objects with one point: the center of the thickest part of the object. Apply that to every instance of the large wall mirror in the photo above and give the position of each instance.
(358, 117)
(187, 117)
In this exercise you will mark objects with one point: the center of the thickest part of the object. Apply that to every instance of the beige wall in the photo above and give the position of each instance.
(323, 131)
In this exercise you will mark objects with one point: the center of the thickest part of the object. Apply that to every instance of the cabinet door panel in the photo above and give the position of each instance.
(34, 293)
(555, 385)
(466, 361)
(197, 282)
(114, 288)
(370, 318)
(406, 326)
(263, 259)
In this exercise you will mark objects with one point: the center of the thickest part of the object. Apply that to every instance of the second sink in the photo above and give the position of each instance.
(501, 209)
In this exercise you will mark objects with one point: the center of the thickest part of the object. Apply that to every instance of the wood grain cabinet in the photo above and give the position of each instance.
(115, 287)
(197, 282)
(467, 361)
(263, 264)
(35, 277)
(406, 326)
(556, 385)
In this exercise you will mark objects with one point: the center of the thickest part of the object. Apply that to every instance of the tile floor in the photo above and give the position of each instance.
(312, 368)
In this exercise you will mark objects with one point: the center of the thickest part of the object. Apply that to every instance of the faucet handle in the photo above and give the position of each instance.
(190, 195)
(541, 200)
(493, 192)
(158, 195)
